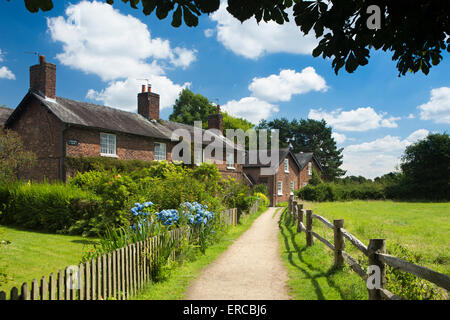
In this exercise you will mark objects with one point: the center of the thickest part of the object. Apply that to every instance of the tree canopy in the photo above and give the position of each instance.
(425, 166)
(310, 136)
(190, 107)
(416, 32)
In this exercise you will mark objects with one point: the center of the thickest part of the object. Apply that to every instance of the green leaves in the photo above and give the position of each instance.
(415, 32)
(36, 5)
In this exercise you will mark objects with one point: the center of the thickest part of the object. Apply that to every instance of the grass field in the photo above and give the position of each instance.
(310, 269)
(31, 255)
(175, 286)
(423, 229)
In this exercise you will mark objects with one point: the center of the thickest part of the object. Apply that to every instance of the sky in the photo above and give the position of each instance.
(264, 71)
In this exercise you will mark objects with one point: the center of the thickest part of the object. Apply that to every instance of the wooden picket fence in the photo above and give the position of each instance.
(375, 251)
(229, 216)
(118, 275)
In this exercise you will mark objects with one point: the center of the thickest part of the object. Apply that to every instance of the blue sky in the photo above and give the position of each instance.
(255, 72)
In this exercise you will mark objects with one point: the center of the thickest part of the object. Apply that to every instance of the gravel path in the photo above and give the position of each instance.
(250, 269)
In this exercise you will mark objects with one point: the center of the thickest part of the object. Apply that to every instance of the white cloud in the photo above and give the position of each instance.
(122, 94)
(438, 108)
(360, 119)
(98, 39)
(5, 73)
(410, 116)
(280, 87)
(378, 157)
(208, 33)
(250, 108)
(251, 40)
(339, 137)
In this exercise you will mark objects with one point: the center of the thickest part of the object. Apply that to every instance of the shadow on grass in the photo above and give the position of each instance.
(86, 242)
(311, 272)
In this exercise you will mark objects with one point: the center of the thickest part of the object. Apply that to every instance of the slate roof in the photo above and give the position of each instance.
(4, 114)
(105, 118)
(304, 157)
(282, 153)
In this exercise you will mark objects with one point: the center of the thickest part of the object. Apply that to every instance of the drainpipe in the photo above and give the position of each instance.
(63, 153)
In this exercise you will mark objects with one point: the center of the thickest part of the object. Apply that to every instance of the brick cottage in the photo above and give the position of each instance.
(55, 128)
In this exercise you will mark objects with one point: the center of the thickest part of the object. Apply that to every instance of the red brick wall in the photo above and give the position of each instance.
(304, 176)
(41, 133)
(286, 179)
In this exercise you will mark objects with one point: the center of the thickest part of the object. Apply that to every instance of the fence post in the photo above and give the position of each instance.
(299, 217)
(290, 205)
(309, 222)
(339, 243)
(377, 246)
(294, 211)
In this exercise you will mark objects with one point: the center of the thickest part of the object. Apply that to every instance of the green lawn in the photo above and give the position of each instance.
(310, 269)
(423, 229)
(31, 255)
(175, 286)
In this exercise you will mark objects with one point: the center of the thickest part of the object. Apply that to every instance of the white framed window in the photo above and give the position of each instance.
(304, 184)
(230, 160)
(292, 187)
(310, 168)
(160, 151)
(280, 188)
(286, 165)
(199, 156)
(108, 144)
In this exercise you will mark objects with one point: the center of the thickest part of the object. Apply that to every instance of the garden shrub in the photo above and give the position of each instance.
(48, 207)
(261, 188)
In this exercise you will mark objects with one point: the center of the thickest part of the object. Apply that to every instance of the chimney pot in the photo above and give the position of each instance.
(148, 104)
(143, 88)
(149, 88)
(43, 78)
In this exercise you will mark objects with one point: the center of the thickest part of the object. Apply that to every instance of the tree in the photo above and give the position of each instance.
(310, 136)
(315, 136)
(13, 156)
(414, 31)
(190, 107)
(426, 167)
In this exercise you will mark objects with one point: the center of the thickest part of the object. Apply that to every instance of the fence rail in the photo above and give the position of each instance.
(375, 251)
(119, 274)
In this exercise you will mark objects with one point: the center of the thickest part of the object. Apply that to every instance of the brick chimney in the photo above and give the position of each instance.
(43, 78)
(215, 121)
(148, 103)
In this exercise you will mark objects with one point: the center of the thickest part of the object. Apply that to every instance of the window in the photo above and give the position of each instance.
(199, 156)
(280, 188)
(107, 144)
(230, 160)
(286, 165)
(292, 187)
(160, 151)
(310, 168)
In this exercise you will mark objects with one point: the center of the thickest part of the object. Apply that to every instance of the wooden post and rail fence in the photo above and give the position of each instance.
(375, 252)
(119, 274)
